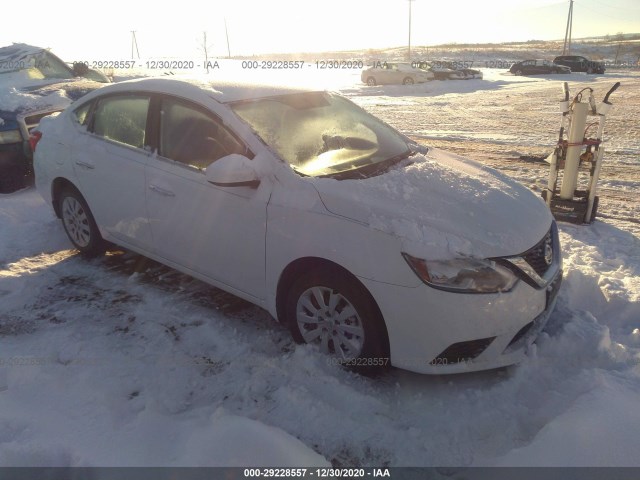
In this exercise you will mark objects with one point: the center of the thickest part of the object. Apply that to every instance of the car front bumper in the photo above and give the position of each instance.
(437, 332)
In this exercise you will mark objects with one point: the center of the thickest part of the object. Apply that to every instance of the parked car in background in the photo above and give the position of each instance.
(467, 73)
(33, 84)
(440, 71)
(363, 243)
(578, 63)
(394, 73)
(537, 67)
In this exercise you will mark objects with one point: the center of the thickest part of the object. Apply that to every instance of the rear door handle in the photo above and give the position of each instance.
(161, 191)
(86, 165)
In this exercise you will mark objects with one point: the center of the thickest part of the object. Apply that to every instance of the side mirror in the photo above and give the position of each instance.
(232, 171)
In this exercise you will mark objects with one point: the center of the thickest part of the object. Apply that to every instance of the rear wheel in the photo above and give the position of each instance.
(326, 308)
(371, 82)
(79, 224)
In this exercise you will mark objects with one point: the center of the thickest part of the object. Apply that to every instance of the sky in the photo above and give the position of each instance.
(81, 30)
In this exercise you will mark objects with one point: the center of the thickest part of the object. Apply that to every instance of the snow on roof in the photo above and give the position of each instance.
(18, 51)
(224, 91)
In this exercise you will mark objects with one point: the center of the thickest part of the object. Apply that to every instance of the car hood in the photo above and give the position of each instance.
(443, 205)
(53, 94)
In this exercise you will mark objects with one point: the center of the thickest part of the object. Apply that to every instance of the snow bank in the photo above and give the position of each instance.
(232, 441)
(601, 428)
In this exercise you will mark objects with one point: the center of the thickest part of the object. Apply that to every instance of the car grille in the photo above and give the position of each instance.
(537, 265)
(536, 255)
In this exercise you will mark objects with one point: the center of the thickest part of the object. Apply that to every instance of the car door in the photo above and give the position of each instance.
(395, 75)
(525, 67)
(542, 68)
(109, 160)
(218, 232)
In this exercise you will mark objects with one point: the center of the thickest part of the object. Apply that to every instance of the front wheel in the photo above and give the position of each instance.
(79, 224)
(518, 72)
(326, 308)
(371, 82)
(408, 81)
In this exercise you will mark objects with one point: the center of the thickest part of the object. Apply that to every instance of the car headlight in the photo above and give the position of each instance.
(464, 275)
(10, 136)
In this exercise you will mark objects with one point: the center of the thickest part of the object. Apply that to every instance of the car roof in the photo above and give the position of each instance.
(14, 54)
(224, 91)
(18, 51)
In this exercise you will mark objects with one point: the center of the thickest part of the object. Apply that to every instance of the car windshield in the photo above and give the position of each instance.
(40, 65)
(322, 134)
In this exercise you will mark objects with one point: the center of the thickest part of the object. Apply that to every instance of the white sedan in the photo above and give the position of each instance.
(375, 249)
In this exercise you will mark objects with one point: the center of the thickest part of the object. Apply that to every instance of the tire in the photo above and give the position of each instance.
(589, 71)
(327, 308)
(79, 224)
(371, 82)
(408, 81)
(518, 72)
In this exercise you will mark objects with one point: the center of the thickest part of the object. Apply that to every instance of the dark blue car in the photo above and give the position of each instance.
(33, 83)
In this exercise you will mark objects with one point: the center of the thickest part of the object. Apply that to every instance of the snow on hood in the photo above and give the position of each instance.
(43, 94)
(446, 203)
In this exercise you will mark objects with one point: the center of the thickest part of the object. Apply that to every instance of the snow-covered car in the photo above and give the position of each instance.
(33, 84)
(394, 73)
(537, 67)
(374, 248)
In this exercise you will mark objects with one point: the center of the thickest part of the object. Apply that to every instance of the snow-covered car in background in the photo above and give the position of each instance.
(537, 67)
(33, 83)
(394, 73)
(373, 248)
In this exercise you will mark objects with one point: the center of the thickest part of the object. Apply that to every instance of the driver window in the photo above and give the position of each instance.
(190, 136)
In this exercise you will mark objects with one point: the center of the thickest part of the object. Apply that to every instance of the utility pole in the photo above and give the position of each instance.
(409, 52)
(567, 48)
(227, 34)
(134, 44)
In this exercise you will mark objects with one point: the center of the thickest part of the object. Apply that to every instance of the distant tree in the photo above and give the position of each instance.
(205, 48)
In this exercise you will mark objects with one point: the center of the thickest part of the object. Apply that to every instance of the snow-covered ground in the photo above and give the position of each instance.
(121, 361)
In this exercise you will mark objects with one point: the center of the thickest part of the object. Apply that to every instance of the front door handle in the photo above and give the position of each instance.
(161, 191)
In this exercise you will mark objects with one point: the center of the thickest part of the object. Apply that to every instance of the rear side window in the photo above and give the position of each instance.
(81, 114)
(189, 135)
(122, 119)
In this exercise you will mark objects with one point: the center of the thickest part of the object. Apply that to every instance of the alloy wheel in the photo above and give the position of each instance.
(328, 319)
(76, 221)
